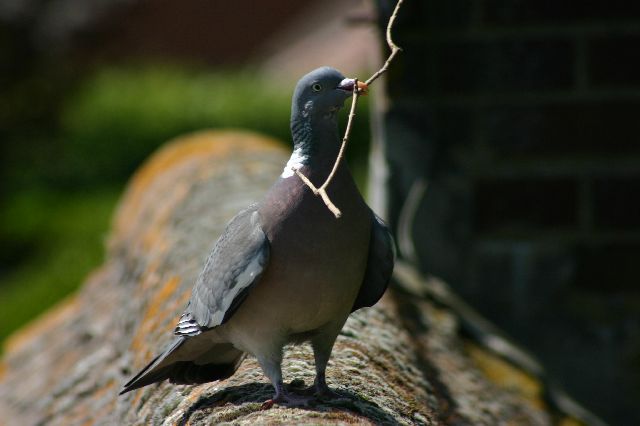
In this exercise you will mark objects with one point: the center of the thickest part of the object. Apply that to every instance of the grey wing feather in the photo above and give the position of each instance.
(187, 361)
(154, 371)
(235, 264)
(382, 257)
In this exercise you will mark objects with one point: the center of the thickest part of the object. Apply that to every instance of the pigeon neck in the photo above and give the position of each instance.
(315, 144)
(303, 137)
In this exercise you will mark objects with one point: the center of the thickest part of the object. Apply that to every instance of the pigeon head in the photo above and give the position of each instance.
(320, 94)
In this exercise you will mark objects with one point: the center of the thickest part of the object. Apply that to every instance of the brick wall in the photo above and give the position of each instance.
(524, 118)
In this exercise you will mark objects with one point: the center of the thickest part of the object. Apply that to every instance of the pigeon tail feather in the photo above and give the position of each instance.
(186, 372)
(151, 373)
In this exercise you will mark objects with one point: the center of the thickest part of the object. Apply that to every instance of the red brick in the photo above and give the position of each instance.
(505, 66)
(525, 205)
(506, 12)
(615, 61)
(573, 129)
(608, 267)
(617, 202)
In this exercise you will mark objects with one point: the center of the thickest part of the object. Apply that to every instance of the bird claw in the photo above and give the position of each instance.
(329, 394)
(267, 404)
(287, 400)
(324, 393)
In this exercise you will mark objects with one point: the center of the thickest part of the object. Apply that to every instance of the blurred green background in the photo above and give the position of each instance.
(89, 89)
(66, 161)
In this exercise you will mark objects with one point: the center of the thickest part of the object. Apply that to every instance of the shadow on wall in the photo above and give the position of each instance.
(522, 119)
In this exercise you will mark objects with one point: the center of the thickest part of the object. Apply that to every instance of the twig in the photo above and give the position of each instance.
(347, 132)
(394, 47)
(322, 190)
(319, 191)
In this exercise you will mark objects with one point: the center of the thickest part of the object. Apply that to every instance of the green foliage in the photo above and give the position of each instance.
(52, 236)
(64, 233)
(120, 116)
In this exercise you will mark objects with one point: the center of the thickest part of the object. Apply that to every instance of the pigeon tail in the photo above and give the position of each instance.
(153, 372)
(184, 372)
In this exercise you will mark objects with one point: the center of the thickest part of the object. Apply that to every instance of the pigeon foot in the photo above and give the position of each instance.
(287, 400)
(322, 391)
(282, 397)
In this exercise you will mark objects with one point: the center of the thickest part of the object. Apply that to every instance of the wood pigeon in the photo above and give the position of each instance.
(285, 270)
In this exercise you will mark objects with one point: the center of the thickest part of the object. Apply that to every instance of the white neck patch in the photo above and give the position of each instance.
(297, 160)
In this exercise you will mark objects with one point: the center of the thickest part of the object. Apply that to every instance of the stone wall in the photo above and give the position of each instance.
(402, 362)
(522, 118)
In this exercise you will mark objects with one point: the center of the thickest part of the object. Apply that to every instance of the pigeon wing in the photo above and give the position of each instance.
(382, 257)
(234, 266)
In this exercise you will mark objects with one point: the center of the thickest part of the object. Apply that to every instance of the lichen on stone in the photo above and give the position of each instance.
(400, 362)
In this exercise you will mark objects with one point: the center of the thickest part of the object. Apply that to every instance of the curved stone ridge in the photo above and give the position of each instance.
(68, 366)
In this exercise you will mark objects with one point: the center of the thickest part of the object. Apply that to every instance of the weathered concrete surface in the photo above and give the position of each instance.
(401, 362)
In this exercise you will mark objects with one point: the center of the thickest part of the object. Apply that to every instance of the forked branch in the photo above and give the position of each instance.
(322, 189)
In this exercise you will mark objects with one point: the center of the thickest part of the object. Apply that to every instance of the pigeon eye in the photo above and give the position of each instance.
(316, 87)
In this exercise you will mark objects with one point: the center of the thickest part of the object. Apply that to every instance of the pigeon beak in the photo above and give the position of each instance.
(347, 85)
